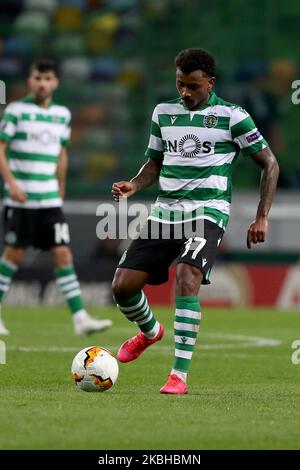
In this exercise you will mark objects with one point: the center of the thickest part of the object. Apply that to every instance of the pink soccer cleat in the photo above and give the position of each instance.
(174, 386)
(133, 347)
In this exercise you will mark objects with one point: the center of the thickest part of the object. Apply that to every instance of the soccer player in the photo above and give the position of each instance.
(194, 142)
(34, 135)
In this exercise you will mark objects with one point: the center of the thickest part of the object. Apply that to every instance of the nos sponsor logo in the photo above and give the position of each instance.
(44, 137)
(188, 146)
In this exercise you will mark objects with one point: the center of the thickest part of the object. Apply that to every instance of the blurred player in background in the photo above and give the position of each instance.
(194, 142)
(34, 135)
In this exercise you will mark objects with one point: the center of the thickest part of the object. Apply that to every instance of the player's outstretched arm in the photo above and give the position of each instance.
(258, 230)
(147, 175)
(16, 192)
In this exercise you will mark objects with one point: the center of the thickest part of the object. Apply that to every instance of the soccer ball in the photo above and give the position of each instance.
(95, 369)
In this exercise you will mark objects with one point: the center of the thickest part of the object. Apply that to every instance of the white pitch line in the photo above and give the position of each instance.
(242, 342)
(252, 341)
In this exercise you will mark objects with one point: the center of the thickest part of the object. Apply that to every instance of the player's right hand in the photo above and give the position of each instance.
(258, 231)
(17, 193)
(123, 189)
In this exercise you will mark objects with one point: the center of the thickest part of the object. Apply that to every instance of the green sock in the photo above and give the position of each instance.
(7, 272)
(186, 327)
(67, 280)
(136, 309)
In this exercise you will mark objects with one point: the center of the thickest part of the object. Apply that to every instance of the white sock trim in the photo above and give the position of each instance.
(80, 315)
(180, 374)
(66, 279)
(154, 332)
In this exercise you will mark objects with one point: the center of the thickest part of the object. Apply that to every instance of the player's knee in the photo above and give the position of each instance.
(120, 287)
(13, 255)
(188, 280)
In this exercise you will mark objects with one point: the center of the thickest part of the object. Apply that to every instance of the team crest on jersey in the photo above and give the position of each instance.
(210, 120)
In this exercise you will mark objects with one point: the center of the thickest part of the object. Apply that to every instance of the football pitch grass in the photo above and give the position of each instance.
(244, 391)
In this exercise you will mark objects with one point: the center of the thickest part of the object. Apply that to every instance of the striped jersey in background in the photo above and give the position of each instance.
(35, 136)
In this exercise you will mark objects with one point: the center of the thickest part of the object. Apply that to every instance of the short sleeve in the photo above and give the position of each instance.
(155, 147)
(9, 122)
(245, 133)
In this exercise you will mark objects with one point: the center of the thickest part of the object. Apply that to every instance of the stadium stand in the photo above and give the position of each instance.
(114, 68)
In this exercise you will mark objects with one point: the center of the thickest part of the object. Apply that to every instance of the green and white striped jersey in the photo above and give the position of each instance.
(35, 136)
(198, 150)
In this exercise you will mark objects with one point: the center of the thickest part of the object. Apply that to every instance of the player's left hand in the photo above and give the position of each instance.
(257, 232)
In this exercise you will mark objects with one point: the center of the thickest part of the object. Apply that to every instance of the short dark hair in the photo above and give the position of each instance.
(44, 65)
(193, 59)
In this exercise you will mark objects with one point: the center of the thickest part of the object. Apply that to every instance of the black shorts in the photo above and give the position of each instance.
(154, 256)
(39, 228)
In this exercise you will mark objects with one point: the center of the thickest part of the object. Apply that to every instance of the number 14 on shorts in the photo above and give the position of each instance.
(62, 234)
